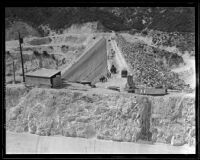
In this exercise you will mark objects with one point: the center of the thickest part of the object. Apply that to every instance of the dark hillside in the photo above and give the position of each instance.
(168, 19)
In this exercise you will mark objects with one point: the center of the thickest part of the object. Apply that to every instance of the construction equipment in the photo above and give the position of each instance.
(124, 73)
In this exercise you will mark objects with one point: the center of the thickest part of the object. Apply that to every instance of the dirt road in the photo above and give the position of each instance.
(120, 60)
(24, 143)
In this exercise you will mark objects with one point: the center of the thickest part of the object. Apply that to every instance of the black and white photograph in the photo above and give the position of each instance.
(100, 80)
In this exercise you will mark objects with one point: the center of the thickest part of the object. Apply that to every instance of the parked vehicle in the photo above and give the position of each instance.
(124, 73)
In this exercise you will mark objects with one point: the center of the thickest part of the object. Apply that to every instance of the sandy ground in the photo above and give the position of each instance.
(121, 62)
(24, 143)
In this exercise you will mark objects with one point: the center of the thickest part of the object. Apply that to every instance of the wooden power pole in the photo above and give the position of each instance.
(14, 71)
(20, 46)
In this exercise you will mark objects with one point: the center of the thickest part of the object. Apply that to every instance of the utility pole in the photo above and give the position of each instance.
(14, 71)
(20, 42)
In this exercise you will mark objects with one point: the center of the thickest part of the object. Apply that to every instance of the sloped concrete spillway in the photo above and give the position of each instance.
(90, 66)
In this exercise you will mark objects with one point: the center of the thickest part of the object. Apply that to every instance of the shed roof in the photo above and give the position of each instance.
(43, 73)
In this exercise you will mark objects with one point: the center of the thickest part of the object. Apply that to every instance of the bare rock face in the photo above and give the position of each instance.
(14, 112)
(117, 117)
(144, 119)
(117, 137)
(14, 93)
(173, 121)
(32, 127)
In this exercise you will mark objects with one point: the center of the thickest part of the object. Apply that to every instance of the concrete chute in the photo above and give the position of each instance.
(90, 66)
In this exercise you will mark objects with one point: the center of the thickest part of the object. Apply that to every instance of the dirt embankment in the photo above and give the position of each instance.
(109, 116)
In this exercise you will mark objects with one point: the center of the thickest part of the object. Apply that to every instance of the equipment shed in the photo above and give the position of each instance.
(47, 77)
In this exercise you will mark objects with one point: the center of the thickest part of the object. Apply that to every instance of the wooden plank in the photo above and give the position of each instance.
(151, 91)
(114, 88)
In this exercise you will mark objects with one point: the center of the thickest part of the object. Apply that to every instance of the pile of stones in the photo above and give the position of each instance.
(182, 41)
(148, 69)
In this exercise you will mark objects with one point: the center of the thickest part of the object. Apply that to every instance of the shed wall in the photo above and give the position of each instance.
(38, 81)
(56, 81)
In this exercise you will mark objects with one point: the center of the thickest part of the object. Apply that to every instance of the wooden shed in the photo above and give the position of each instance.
(47, 77)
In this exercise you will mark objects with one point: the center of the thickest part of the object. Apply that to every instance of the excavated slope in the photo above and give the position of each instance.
(105, 116)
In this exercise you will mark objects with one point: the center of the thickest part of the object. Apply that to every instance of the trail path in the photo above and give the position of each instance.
(120, 60)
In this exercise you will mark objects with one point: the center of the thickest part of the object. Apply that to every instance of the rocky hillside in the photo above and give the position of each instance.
(168, 19)
(22, 27)
(183, 41)
(114, 117)
(151, 66)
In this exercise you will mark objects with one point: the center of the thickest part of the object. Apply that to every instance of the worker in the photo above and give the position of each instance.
(103, 79)
(113, 69)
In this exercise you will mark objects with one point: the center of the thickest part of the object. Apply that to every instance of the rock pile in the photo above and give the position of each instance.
(183, 41)
(150, 68)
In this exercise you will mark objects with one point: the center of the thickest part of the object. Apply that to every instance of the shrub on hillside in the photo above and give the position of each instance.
(45, 54)
(36, 53)
(144, 32)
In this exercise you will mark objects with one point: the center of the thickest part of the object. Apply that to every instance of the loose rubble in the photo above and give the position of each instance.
(148, 69)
